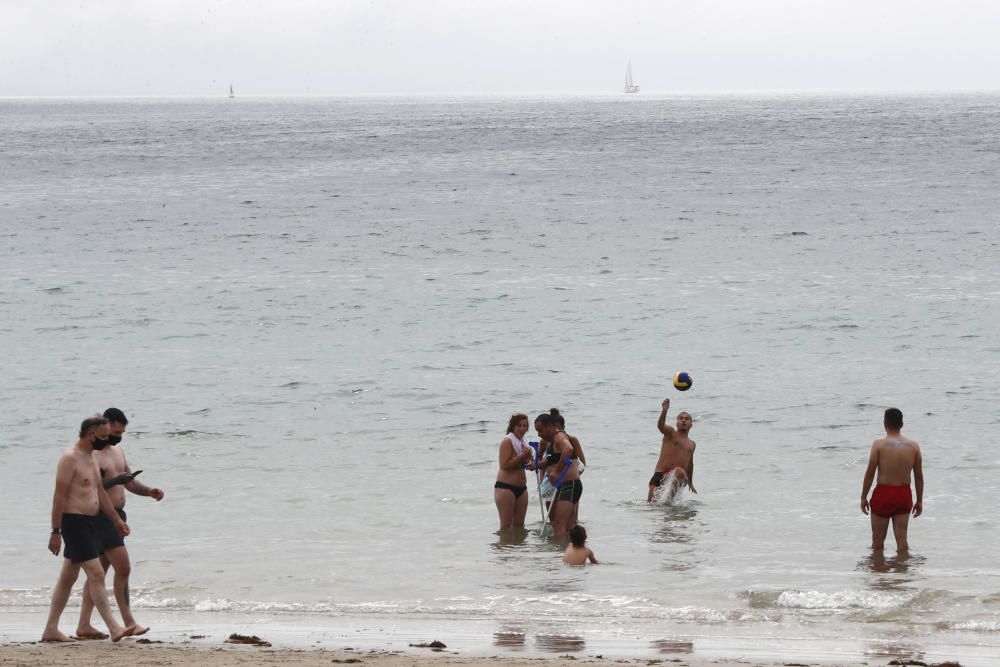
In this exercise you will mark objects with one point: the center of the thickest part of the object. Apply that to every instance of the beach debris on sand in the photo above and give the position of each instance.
(434, 645)
(253, 640)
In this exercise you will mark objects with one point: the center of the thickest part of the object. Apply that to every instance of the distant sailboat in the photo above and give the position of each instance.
(630, 86)
(231, 93)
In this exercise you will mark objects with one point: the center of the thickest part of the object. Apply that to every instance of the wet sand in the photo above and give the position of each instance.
(134, 653)
(183, 638)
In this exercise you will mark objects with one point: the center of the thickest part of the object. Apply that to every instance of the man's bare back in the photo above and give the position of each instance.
(893, 459)
(896, 457)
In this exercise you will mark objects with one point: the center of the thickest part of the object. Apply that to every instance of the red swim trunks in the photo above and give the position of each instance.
(888, 500)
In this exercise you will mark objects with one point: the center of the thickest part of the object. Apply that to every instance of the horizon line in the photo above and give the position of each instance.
(493, 94)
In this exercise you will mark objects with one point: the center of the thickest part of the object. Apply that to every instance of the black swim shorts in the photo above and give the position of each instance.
(107, 533)
(80, 537)
(570, 490)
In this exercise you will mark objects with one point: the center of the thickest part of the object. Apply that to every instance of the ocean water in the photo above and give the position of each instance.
(319, 314)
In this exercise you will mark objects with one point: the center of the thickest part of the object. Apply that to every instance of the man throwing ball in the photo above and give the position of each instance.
(676, 455)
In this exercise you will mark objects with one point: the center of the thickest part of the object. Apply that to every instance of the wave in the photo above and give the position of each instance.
(837, 600)
(578, 606)
(977, 626)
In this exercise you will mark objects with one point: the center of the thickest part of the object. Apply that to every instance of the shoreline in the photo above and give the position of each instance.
(199, 638)
(94, 653)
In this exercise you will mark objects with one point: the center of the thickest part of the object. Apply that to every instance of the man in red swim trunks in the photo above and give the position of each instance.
(894, 457)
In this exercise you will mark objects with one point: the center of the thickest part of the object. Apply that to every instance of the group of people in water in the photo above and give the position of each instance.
(89, 525)
(558, 461)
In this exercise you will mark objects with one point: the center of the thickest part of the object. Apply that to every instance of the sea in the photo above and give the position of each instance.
(320, 313)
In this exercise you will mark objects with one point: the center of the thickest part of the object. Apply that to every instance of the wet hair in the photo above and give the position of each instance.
(514, 420)
(558, 419)
(578, 535)
(116, 416)
(91, 423)
(894, 418)
(546, 419)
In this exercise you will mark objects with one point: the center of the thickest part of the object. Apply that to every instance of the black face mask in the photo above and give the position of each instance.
(101, 443)
(114, 439)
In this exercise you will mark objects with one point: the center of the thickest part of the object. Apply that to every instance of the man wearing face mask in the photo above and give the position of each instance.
(116, 477)
(76, 503)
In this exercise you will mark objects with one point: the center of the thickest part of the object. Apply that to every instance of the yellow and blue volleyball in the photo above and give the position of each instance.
(682, 381)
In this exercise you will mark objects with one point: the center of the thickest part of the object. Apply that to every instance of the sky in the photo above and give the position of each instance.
(429, 47)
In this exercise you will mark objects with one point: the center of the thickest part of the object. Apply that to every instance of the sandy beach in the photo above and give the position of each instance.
(289, 639)
(134, 653)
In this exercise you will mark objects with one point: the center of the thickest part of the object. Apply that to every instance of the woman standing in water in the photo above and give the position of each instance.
(510, 492)
(563, 474)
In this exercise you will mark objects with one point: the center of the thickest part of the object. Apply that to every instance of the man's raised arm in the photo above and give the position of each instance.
(662, 423)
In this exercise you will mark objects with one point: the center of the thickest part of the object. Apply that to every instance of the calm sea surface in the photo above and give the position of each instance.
(319, 314)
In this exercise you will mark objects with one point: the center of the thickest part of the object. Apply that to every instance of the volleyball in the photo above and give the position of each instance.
(682, 381)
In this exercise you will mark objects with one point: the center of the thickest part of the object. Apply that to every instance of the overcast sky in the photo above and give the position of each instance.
(357, 47)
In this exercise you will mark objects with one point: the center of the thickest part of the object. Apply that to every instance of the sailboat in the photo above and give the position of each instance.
(231, 93)
(630, 86)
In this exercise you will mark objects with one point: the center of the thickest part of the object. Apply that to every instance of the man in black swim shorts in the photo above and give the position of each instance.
(117, 476)
(77, 500)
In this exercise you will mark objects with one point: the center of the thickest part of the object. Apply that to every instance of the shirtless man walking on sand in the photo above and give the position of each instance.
(676, 454)
(117, 476)
(894, 457)
(77, 500)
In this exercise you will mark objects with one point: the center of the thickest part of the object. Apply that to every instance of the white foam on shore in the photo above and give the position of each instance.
(978, 626)
(842, 600)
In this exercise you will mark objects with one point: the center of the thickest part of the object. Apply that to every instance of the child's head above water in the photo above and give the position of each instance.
(578, 535)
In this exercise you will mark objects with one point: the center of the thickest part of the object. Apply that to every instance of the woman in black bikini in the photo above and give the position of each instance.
(510, 492)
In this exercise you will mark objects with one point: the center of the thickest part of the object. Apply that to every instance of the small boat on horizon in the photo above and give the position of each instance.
(231, 93)
(630, 86)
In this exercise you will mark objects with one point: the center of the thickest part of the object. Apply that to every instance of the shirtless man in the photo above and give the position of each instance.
(76, 502)
(894, 457)
(570, 488)
(676, 454)
(116, 477)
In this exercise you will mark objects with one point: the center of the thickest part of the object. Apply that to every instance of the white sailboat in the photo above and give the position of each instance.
(630, 86)
(231, 93)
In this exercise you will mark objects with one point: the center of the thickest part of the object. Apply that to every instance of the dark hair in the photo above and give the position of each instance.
(514, 419)
(558, 419)
(546, 418)
(578, 535)
(894, 418)
(117, 416)
(91, 423)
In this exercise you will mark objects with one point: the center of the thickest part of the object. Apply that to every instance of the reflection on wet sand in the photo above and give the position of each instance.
(509, 638)
(673, 646)
(903, 653)
(560, 643)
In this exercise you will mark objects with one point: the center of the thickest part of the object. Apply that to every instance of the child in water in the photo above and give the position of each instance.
(576, 552)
